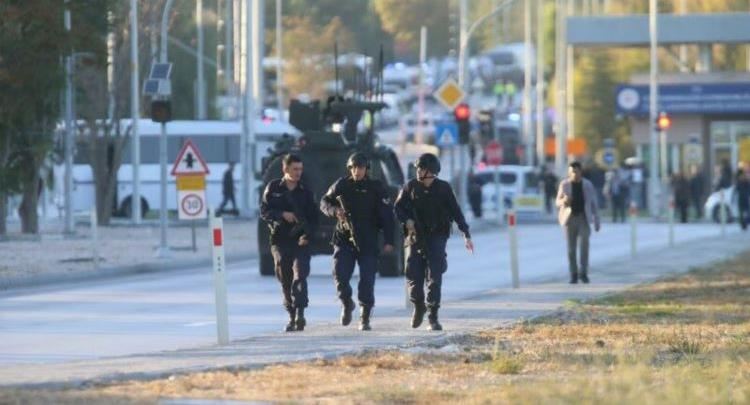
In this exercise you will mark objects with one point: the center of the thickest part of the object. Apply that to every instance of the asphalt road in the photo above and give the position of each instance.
(159, 312)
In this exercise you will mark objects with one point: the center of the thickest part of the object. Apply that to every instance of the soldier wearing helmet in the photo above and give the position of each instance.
(426, 206)
(362, 207)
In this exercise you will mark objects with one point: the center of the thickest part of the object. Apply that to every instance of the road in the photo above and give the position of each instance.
(158, 312)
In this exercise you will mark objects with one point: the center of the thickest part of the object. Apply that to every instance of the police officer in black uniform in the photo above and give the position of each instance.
(426, 206)
(362, 207)
(289, 209)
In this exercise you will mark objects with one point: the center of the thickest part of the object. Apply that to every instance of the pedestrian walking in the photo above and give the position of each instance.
(362, 208)
(742, 193)
(618, 191)
(550, 187)
(291, 213)
(696, 190)
(681, 195)
(426, 206)
(578, 207)
(227, 189)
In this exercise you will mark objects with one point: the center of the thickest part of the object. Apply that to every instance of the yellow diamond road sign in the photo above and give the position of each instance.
(449, 94)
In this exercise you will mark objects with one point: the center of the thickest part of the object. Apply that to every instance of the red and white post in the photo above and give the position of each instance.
(220, 285)
(513, 239)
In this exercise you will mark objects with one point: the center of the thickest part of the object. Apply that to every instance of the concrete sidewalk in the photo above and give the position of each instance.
(489, 309)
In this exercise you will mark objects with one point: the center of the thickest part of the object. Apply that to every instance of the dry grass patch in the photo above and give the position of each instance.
(682, 340)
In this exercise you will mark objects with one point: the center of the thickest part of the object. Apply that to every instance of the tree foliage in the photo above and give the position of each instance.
(403, 20)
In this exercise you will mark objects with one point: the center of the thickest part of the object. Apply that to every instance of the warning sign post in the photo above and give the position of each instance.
(191, 171)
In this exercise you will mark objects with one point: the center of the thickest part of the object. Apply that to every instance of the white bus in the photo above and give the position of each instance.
(217, 141)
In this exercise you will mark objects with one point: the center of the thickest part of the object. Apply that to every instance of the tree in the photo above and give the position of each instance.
(403, 20)
(32, 40)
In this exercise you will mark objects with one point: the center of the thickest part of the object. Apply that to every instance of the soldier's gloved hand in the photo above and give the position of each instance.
(289, 216)
(469, 245)
(302, 241)
(410, 226)
(387, 248)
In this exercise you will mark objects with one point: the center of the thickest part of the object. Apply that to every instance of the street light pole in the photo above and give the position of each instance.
(247, 140)
(201, 90)
(135, 108)
(654, 191)
(163, 251)
(540, 82)
(527, 133)
(69, 227)
(279, 56)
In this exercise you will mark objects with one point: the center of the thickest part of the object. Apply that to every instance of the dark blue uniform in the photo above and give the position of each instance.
(370, 210)
(292, 261)
(432, 209)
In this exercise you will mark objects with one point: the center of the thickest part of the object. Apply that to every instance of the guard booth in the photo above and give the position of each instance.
(710, 114)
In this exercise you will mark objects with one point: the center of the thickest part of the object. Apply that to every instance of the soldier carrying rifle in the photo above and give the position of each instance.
(362, 207)
(426, 206)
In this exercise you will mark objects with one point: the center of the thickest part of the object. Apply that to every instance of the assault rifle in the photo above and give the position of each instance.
(347, 222)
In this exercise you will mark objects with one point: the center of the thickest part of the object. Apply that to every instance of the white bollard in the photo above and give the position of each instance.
(94, 239)
(513, 236)
(722, 213)
(633, 213)
(671, 222)
(220, 286)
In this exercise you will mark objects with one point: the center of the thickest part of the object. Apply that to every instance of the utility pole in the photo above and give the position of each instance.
(540, 82)
(201, 85)
(570, 129)
(69, 131)
(279, 58)
(135, 113)
(654, 192)
(163, 251)
(560, 130)
(527, 55)
(462, 82)
(247, 140)
(258, 46)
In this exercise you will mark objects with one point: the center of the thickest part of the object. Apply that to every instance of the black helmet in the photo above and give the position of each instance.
(429, 162)
(357, 160)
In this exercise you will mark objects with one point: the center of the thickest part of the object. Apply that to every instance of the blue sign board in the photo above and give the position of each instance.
(446, 134)
(686, 98)
(609, 157)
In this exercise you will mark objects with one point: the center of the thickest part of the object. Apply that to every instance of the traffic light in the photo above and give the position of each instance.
(161, 111)
(663, 122)
(462, 113)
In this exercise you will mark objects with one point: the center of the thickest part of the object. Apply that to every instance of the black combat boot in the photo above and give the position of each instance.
(433, 318)
(346, 312)
(364, 318)
(291, 326)
(300, 319)
(418, 315)
(573, 278)
(585, 277)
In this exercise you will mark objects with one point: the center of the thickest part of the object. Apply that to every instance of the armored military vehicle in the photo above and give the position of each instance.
(330, 133)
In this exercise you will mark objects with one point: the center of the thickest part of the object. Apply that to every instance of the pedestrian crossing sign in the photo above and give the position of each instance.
(446, 134)
(189, 161)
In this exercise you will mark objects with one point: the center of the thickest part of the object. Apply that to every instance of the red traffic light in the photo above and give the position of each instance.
(462, 112)
(663, 122)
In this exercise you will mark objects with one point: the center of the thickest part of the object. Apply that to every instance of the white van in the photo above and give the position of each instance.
(519, 188)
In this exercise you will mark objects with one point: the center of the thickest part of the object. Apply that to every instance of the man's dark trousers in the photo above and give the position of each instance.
(292, 268)
(344, 259)
(430, 268)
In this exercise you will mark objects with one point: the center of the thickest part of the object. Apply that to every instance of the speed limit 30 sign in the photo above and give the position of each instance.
(192, 204)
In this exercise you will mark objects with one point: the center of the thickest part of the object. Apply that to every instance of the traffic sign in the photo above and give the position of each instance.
(493, 153)
(192, 204)
(446, 134)
(189, 161)
(449, 94)
(607, 157)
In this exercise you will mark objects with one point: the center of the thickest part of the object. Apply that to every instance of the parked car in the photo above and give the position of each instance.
(519, 187)
(713, 205)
